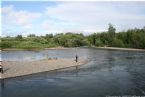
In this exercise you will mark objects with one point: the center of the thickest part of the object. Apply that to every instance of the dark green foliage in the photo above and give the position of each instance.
(132, 38)
(111, 33)
(116, 43)
(111, 30)
(92, 38)
(69, 40)
(31, 35)
(98, 43)
(19, 37)
(6, 44)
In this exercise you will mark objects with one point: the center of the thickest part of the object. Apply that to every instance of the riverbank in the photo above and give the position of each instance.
(16, 68)
(124, 49)
(59, 48)
(64, 48)
(54, 48)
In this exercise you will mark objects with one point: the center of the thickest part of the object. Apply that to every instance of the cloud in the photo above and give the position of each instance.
(97, 15)
(22, 18)
(72, 16)
(18, 18)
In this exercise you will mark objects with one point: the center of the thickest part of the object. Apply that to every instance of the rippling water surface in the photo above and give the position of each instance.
(108, 73)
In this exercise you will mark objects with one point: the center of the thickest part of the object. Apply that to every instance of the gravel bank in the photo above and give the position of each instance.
(16, 68)
(125, 49)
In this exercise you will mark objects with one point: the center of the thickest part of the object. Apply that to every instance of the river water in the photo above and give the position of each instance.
(108, 73)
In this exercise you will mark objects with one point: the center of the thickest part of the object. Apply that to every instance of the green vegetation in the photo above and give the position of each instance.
(132, 38)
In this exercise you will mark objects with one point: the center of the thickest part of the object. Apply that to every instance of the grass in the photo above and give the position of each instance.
(25, 45)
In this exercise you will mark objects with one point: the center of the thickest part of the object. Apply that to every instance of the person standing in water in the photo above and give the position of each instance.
(1, 67)
(76, 58)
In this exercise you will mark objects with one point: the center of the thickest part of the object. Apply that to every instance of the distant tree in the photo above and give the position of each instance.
(144, 29)
(19, 37)
(104, 37)
(8, 36)
(111, 32)
(49, 36)
(132, 38)
(117, 43)
(31, 35)
(92, 38)
(98, 43)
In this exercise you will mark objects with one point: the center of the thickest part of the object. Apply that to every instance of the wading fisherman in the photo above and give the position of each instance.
(76, 58)
(1, 67)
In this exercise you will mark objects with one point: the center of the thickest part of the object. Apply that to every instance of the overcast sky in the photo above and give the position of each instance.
(54, 17)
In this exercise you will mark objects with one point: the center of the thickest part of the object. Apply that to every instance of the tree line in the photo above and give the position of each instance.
(132, 38)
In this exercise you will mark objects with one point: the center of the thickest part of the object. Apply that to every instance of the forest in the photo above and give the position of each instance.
(132, 38)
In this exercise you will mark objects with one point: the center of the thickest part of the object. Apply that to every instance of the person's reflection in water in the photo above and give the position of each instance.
(2, 83)
(2, 87)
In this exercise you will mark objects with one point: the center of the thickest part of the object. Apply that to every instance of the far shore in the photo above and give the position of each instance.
(59, 48)
(117, 48)
(65, 48)
(53, 48)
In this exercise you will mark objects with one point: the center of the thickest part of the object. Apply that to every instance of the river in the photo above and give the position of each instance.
(108, 73)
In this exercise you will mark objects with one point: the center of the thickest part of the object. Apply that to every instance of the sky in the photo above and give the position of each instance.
(44, 17)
